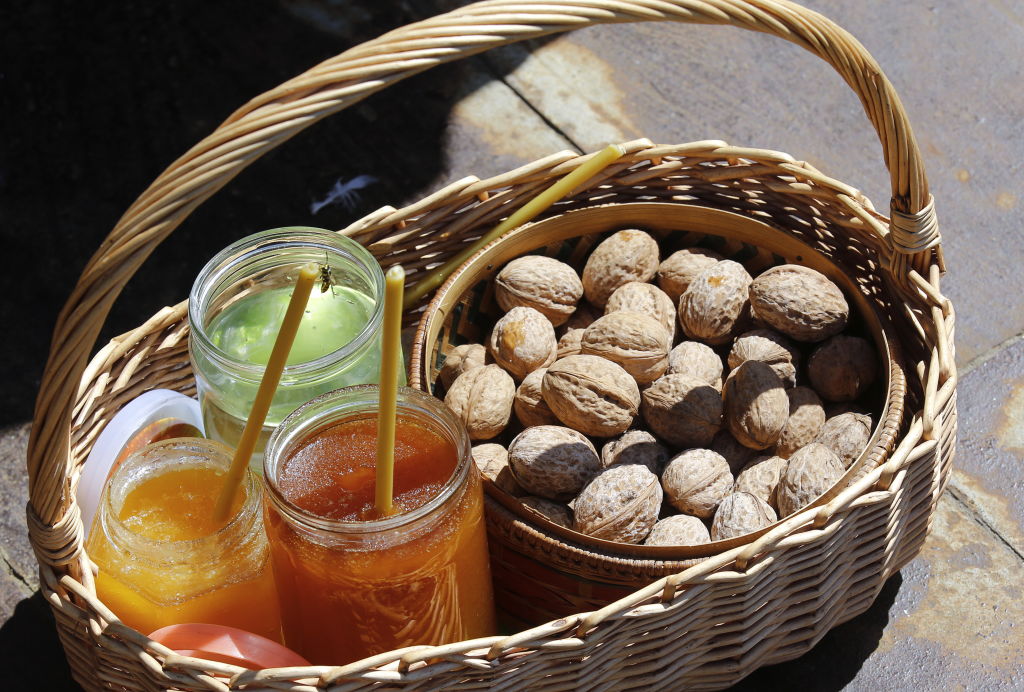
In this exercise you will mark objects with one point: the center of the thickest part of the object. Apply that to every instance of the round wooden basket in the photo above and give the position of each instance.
(543, 571)
(704, 627)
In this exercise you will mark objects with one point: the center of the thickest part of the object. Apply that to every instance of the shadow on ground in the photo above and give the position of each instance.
(101, 98)
(30, 650)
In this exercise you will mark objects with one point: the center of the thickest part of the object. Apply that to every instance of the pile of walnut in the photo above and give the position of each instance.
(629, 432)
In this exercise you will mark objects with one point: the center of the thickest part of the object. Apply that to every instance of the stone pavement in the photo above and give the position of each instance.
(102, 98)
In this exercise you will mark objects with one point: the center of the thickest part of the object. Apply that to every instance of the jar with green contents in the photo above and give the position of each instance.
(235, 310)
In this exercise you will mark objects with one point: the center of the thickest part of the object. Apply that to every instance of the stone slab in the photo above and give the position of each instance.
(676, 83)
(949, 620)
(989, 471)
(15, 550)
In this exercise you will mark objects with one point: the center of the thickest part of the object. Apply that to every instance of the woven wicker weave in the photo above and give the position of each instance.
(543, 571)
(705, 627)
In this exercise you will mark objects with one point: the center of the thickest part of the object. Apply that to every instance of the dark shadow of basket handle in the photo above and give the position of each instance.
(274, 117)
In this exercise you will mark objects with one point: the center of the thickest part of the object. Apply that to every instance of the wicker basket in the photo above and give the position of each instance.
(543, 571)
(705, 627)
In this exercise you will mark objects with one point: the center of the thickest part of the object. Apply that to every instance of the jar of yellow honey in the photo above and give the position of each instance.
(163, 559)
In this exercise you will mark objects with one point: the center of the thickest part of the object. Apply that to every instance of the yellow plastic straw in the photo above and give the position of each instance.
(390, 363)
(268, 385)
(527, 212)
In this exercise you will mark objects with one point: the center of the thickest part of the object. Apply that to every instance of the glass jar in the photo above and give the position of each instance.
(235, 310)
(350, 589)
(163, 560)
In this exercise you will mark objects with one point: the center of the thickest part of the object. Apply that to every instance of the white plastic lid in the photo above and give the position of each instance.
(152, 407)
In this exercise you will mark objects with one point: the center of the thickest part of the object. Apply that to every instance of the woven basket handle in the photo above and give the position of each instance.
(277, 115)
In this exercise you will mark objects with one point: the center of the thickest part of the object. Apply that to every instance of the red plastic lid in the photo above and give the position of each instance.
(227, 645)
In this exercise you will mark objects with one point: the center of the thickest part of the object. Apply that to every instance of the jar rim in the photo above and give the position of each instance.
(347, 403)
(252, 246)
(231, 532)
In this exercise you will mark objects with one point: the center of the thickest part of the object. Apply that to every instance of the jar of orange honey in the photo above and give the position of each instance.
(162, 557)
(352, 583)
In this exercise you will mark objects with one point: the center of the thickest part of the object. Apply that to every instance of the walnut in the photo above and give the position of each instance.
(739, 514)
(551, 287)
(714, 305)
(637, 342)
(635, 447)
(756, 405)
(591, 394)
(552, 461)
(459, 360)
(482, 399)
(555, 512)
(629, 255)
(842, 368)
(736, 454)
(682, 267)
(697, 360)
(621, 503)
(569, 344)
(645, 298)
(492, 460)
(696, 480)
(800, 302)
(846, 435)
(761, 477)
(806, 416)
(529, 404)
(679, 529)
(682, 410)
(809, 473)
(768, 347)
(522, 341)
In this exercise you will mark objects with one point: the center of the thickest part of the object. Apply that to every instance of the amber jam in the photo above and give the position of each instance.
(350, 583)
(163, 559)
(333, 475)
